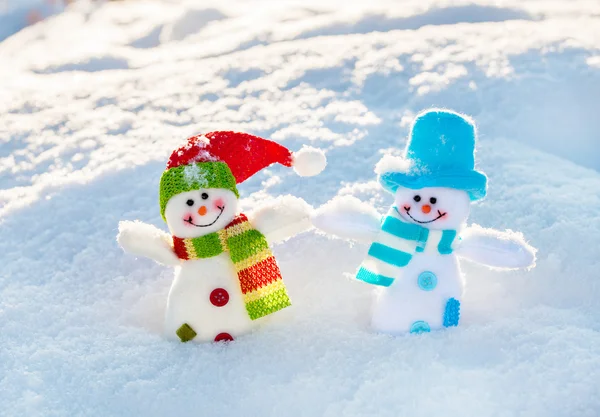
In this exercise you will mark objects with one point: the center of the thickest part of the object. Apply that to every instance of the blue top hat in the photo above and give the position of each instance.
(441, 152)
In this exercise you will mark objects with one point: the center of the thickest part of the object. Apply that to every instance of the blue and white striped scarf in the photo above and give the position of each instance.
(395, 246)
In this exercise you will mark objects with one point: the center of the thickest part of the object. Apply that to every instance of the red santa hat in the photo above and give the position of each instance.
(223, 159)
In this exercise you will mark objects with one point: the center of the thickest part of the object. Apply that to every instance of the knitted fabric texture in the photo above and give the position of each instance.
(194, 177)
(258, 273)
(394, 249)
(218, 160)
(452, 313)
(244, 154)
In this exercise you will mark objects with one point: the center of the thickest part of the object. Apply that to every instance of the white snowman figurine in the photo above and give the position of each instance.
(225, 274)
(415, 247)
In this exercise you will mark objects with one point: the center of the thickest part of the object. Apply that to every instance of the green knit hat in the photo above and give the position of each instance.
(194, 177)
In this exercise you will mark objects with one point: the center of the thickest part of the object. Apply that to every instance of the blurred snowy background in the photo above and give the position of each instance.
(93, 97)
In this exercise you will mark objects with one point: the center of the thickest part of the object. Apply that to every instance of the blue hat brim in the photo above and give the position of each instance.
(472, 182)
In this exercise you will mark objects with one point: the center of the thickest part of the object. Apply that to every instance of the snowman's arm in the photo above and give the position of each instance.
(145, 240)
(349, 218)
(282, 218)
(495, 249)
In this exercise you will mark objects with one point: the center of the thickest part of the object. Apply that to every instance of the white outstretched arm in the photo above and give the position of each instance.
(282, 218)
(496, 249)
(143, 239)
(349, 218)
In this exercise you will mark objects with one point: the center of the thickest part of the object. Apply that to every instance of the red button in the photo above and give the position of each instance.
(219, 297)
(223, 337)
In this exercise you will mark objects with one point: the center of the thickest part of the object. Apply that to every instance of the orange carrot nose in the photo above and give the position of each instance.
(426, 208)
(202, 210)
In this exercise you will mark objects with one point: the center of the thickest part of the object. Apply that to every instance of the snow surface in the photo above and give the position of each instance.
(94, 100)
(18, 14)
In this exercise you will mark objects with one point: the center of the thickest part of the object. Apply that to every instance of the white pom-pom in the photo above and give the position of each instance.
(309, 161)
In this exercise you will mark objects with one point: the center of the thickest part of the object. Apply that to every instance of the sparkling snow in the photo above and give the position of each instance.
(94, 99)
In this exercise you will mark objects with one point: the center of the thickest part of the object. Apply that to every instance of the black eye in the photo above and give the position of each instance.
(204, 196)
(417, 198)
(190, 202)
(433, 200)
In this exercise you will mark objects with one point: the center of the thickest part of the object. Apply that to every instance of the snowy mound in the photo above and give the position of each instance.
(93, 101)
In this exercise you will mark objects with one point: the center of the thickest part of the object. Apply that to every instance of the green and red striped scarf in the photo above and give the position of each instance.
(260, 278)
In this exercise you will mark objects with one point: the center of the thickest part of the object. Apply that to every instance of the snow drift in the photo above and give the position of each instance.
(93, 101)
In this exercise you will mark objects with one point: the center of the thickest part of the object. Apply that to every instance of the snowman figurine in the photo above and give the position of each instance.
(226, 277)
(415, 247)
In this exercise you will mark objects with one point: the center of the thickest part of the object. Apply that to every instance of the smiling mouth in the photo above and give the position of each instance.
(189, 219)
(440, 215)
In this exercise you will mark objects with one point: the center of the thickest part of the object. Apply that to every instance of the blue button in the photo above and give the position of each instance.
(427, 281)
(420, 327)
